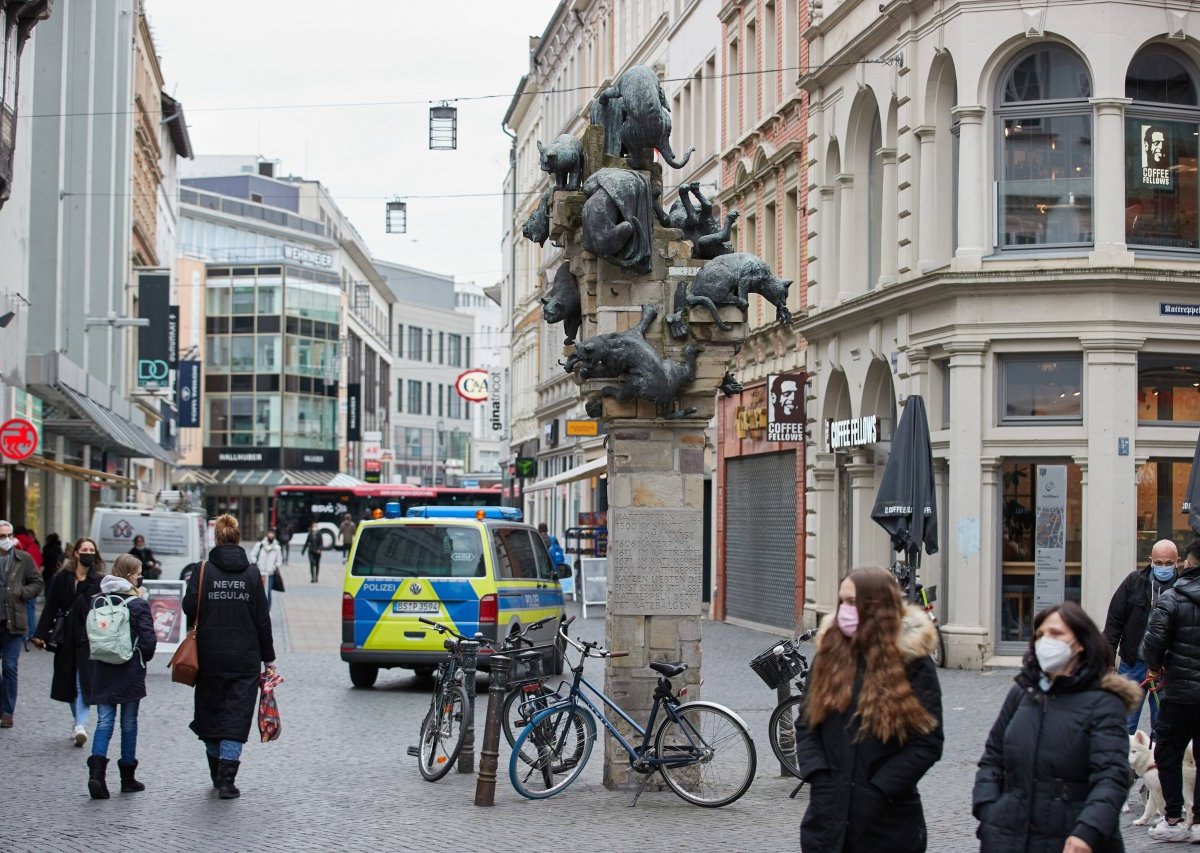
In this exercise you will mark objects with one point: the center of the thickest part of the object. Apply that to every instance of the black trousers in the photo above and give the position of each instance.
(314, 565)
(1178, 725)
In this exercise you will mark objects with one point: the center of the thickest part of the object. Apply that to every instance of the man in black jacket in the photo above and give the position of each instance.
(1171, 650)
(1127, 613)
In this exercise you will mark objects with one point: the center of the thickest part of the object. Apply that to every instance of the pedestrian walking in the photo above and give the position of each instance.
(872, 722)
(1127, 614)
(52, 558)
(151, 568)
(1055, 770)
(346, 531)
(234, 642)
(22, 583)
(268, 556)
(313, 545)
(283, 532)
(557, 556)
(113, 686)
(80, 577)
(1171, 650)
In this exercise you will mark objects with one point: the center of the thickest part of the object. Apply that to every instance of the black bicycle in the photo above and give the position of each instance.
(527, 690)
(443, 729)
(776, 666)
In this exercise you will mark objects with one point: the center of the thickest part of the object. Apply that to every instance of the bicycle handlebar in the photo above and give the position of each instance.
(444, 629)
(588, 650)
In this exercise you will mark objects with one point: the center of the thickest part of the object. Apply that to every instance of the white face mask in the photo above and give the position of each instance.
(6, 544)
(1052, 654)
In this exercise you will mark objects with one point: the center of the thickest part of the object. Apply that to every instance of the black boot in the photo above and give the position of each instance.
(226, 774)
(97, 787)
(129, 785)
(212, 768)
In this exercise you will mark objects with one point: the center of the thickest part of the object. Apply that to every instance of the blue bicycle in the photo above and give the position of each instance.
(702, 750)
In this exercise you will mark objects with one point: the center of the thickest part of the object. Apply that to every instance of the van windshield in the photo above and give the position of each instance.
(426, 551)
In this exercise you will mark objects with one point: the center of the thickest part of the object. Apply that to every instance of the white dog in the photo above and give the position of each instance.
(1141, 759)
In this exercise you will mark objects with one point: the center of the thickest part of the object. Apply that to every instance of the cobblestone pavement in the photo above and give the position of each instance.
(340, 778)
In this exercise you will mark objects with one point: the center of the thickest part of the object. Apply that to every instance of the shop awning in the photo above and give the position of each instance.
(75, 472)
(91, 423)
(593, 468)
(269, 477)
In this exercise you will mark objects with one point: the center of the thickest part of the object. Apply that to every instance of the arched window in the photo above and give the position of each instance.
(875, 188)
(1161, 124)
(1044, 170)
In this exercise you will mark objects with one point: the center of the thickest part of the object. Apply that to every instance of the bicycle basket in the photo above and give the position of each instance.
(777, 669)
(527, 666)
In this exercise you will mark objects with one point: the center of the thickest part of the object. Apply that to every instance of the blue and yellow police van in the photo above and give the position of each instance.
(476, 569)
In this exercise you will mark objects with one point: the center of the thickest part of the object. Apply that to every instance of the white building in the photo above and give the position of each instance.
(490, 354)
(1005, 221)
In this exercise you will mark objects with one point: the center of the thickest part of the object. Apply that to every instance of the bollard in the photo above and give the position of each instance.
(489, 755)
(782, 693)
(466, 758)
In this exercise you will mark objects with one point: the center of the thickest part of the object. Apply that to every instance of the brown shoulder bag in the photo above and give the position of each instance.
(185, 663)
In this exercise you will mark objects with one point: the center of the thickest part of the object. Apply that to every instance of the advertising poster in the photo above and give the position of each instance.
(785, 412)
(1050, 537)
(166, 609)
(1157, 156)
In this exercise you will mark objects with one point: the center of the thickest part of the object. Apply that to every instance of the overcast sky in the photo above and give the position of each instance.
(290, 53)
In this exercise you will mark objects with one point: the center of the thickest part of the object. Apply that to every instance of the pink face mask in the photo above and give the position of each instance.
(847, 619)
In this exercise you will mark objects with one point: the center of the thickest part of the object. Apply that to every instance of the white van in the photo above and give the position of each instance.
(176, 538)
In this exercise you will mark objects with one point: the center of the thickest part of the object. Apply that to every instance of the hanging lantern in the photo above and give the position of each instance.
(443, 127)
(397, 217)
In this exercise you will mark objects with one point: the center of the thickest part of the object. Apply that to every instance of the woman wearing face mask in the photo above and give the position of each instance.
(872, 722)
(80, 576)
(1055, 771)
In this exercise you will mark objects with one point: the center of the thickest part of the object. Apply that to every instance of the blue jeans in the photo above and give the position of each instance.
(10, 653)
(79, 708)
(1136, 671)
(224, 750)
(106, 721)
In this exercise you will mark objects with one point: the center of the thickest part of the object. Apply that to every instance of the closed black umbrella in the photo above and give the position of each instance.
(906, 506)
(1191, 498)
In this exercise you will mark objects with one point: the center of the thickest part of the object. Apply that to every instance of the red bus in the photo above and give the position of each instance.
(298, 506)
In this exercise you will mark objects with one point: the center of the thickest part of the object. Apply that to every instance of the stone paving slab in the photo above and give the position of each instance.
(340, 778)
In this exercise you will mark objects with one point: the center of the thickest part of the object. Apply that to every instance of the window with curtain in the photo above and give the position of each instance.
(1044, 168)
(1161, 127)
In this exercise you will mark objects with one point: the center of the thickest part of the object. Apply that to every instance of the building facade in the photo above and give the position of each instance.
(1004, 222)
(482, 305)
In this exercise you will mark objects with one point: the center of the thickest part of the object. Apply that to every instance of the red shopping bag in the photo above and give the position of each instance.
(269, 725)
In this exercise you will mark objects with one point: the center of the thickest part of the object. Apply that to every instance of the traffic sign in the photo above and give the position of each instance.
(18, 439)
(526, 467)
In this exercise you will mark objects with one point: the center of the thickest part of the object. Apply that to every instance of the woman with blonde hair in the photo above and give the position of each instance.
(79, 578)
(872, 721)
(226, 604)
(118, 685)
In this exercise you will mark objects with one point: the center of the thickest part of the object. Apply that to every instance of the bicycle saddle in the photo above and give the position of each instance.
(670, 670)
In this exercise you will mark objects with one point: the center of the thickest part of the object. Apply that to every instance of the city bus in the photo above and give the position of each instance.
(298, 506)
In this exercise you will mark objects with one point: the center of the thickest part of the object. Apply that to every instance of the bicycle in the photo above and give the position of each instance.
(442, 730)
(695, 748)
(776, 666)
(527, 690)
(925, 598)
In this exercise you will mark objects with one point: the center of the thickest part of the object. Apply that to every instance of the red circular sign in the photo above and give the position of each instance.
(18, 439)
(472, 385)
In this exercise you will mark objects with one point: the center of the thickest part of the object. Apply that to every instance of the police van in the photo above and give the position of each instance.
(476, 569)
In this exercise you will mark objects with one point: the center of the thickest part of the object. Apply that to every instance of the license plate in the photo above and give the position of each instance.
(414, 607)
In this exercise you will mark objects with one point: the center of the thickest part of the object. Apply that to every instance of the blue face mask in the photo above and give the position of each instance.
(1163, 574)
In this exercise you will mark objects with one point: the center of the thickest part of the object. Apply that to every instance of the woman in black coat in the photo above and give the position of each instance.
(1055, 771)
(234, 641)
(117, 685)
(872, 722)
(80, 578)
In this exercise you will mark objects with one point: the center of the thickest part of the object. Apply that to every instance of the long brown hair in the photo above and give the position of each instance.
(97, 566)
(886, 708)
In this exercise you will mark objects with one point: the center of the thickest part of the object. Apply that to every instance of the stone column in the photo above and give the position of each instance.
(966, 636)
(827, 257)
(1108, 190)
(888, 247)
(823, 531)
(865, 532)
(1110, 414)
(927, 193)
(848, 249)
(974, 193)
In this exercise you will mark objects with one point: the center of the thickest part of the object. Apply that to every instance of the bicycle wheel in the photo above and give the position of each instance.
(519, 709)
(562, 738)
(442, 733)
(708, 753)
(939, 651)
(782, 730)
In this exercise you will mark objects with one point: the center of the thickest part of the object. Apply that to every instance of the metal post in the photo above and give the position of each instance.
(466, 757)
(489, 756)
(782, 693)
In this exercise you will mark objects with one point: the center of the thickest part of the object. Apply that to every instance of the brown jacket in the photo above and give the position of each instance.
(22, 584)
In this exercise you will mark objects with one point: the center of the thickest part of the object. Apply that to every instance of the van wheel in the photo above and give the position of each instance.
(363, 675)
(424, 673)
